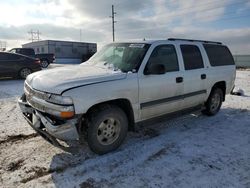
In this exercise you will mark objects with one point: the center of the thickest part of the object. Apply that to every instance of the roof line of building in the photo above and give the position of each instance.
(61, 41)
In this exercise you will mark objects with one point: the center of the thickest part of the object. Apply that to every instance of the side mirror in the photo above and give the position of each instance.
(155, 69)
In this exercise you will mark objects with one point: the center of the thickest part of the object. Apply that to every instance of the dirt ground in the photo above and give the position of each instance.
(189, 151)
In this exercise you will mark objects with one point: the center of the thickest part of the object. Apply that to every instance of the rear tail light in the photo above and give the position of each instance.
(37, 61)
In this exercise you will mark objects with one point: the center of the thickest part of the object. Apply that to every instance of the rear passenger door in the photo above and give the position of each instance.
(195, 75)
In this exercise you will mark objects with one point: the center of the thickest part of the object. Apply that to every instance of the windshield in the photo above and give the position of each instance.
(120, 56)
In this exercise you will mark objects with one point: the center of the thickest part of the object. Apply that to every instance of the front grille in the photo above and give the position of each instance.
(31, 94)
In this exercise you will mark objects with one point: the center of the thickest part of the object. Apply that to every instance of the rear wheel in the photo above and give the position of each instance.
(214, 102)
(107, 129)
(44, 63)
(24, 72)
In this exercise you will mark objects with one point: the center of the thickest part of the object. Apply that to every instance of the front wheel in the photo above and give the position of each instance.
(107, 129)
(214, 102)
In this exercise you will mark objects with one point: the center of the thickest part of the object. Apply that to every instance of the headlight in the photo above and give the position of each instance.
(58, 99)
(60, 106)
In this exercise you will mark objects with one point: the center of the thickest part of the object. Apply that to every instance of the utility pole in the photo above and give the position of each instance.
(80, 35)
(35, 35)
(113, 22)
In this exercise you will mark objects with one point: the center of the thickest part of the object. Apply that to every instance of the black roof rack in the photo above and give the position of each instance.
(191, 40)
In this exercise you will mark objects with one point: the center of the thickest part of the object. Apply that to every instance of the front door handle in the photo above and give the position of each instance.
(203, 76)
(179, 79)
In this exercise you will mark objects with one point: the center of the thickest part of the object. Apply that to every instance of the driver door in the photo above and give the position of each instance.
(161, 93)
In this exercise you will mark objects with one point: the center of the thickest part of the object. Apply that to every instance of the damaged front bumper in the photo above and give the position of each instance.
(49, 129)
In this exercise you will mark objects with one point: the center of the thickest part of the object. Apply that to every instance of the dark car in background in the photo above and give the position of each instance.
(45, 59)
(17, 65)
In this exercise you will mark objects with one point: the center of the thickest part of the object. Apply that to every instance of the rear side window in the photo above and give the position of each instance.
(218, 55)
(191, 57)
(165, 55)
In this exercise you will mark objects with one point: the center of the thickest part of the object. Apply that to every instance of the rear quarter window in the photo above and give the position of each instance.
(218, 55)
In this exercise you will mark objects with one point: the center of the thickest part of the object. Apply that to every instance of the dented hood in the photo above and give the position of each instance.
(57, 80)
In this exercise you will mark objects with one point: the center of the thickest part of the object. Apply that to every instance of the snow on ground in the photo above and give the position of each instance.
(189, 151)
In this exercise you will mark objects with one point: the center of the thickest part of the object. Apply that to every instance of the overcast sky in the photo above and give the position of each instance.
(225, 20)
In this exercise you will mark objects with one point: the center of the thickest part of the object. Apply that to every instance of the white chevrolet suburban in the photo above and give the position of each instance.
(124, 84)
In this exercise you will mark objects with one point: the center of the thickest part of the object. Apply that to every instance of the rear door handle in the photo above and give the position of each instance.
(179, 79)
(203, 76)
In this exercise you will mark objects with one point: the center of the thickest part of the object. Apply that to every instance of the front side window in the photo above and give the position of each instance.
(120, 56)
(166, 56)
(192, 57)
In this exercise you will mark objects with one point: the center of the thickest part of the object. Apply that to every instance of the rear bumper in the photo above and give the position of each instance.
(47, 128)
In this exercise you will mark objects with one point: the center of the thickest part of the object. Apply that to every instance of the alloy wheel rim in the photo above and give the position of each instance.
(108, 131)
(215, 102)
(44, 64)
(25, 72)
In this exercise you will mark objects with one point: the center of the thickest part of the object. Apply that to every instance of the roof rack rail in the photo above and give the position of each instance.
(191, 40)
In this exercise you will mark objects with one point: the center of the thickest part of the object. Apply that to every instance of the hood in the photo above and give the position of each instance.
(57, 80)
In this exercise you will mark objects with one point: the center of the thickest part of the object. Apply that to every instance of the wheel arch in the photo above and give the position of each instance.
(122, 103)
(222, 86)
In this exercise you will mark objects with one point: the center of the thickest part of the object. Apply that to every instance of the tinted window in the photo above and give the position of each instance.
(28, 52)
(13, 57)
(165, 55)
(191, 57)
(8, 56)
(218, 55)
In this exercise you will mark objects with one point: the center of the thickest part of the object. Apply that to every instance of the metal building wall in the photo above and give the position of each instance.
(63, 50)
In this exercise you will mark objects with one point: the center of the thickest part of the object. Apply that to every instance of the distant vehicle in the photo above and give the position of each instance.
(124, 84)
(17, 65)
(45, 59)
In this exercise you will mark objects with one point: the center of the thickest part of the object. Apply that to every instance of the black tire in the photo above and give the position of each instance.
(44, 63)
(103, 136)
(24, 72)
(214, 102)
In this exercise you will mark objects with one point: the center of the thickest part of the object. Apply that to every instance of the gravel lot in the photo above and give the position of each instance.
(189, 151)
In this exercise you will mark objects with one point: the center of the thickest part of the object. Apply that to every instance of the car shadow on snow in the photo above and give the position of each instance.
(80, 162)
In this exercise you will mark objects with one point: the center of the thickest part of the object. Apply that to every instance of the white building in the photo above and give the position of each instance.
(65, 51)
